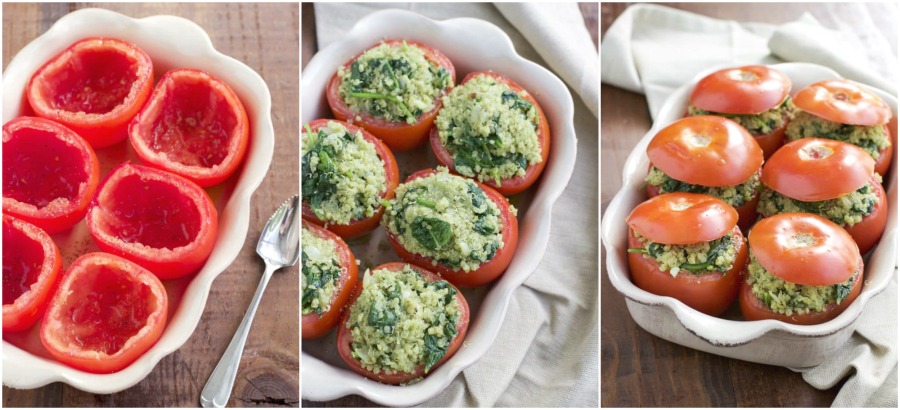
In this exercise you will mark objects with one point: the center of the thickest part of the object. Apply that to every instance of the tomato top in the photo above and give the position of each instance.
(706, 150)
(805, 249)
(681, 218)
(816, 169)
(741, 90)
(843, 101)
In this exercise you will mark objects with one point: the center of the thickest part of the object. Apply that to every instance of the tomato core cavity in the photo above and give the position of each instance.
(152, 213)
(38, 168)
(22, 262)
(93, 81)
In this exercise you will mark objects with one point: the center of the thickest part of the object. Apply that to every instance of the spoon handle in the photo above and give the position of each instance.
(218, 388)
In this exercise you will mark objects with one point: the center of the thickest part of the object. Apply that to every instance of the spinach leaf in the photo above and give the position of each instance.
(842, 290)
(433, 352)
(432, 233)
(476, 194)
(382, 319)
(710, 259)
(516, 102)
(317, 277)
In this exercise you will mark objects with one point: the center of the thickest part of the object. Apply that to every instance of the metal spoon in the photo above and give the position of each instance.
(279, 246)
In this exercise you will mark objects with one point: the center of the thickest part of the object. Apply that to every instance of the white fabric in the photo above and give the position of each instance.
(653, 50)
(546, 353)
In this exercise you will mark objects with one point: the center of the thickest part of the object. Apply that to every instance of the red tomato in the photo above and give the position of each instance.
(392, 179)
(867, 232)
(31, 265)
(706, 150)
(317, 326)
(771, 142)
(49, 173)
(711, 293)
(508, 186)
(489, 270)
(107, 313)
(399, 136)
(746, 213)
(94, 87)
(682, 218)
(194, 125)
(884, 156)
(345, 338)
(742, 90)
(843, 101)
(816, 169)
(754, 309)
(159, 220)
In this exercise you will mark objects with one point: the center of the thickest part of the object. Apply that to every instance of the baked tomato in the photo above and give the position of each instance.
(488, 271)
(398, 135)
(345, 337)
(843, 101)
(107, 313)
(159, 220)
(49, 173)
(741, 90)
(803, 249)
(682, 218)
(355, 227)
(194, 125)
(314, 324)
(31, 264)
(94, 87)
(515, 184)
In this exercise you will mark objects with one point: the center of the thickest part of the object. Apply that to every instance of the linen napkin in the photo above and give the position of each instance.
(546, 353)
(653, 50)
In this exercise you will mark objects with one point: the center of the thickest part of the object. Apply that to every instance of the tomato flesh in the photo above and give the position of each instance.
(31, 265)
(22, 261)
(152, 213)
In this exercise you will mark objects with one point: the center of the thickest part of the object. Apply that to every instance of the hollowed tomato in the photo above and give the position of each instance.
(31, 265)
(107, 313)
(489, 270)
(392, 179)
(194, 125)
(315, 325)
(400, 136)
(345, 337)
(49, 173)
(95, 87)
(159, 220)
(513, 185)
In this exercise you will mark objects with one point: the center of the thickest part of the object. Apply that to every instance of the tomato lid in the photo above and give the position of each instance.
(706, 150)
(741, 90)
(805, 249)
(681, 218)
(816, 169)
(843, 101)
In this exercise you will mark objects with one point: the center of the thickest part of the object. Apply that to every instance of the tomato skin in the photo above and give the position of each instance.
(507, 186)
(710, 293)
(392, 179)
(57, 320)
(843, 101)
(753, 309)
(771, 142)
(741, 90)
(489, 270)
(399, 136)
(317, 326)
(817, 169)
(344, 337)
(868, 232)
(682, 218)
(883, 163)
(100, 130)
(30, 306)
(746, 212)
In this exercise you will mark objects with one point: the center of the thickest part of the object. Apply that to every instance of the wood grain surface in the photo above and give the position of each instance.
(309, 48)
(266, 38)
(639, 369)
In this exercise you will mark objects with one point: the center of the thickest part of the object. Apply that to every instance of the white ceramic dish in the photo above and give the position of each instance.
(471, 45)
(171, 42)
(767, 341)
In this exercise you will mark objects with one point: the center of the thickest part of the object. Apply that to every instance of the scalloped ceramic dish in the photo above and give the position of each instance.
(471, 45)
(171, 42)
(766, 341)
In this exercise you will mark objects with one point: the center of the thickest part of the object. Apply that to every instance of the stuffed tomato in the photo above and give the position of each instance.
(831, 179)
(689, 247)
(707, 155)
(402, 323)
(465, 231)
(803, 269)
(493, 130)
(347, 174)
(393, 90)
(756, 97)
(329, 276)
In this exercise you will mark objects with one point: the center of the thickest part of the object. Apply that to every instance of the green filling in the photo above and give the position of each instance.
(756, 124)
(789, 298)
(847, 210)
(321, 272)
(871, 139)
(735, 195)
(697, 258)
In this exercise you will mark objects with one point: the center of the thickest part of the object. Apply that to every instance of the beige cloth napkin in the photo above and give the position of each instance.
(653, 50)
(546, 354)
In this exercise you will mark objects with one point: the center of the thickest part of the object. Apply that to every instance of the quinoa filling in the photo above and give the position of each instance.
(847, 210)
(756, 124)
(734, 195)
(697, 258)
(321, 272)
(871, 139)
(790, 298)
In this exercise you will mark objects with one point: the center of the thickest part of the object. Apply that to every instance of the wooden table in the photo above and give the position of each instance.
(310, 47)
(637, 368)
(269, 371)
